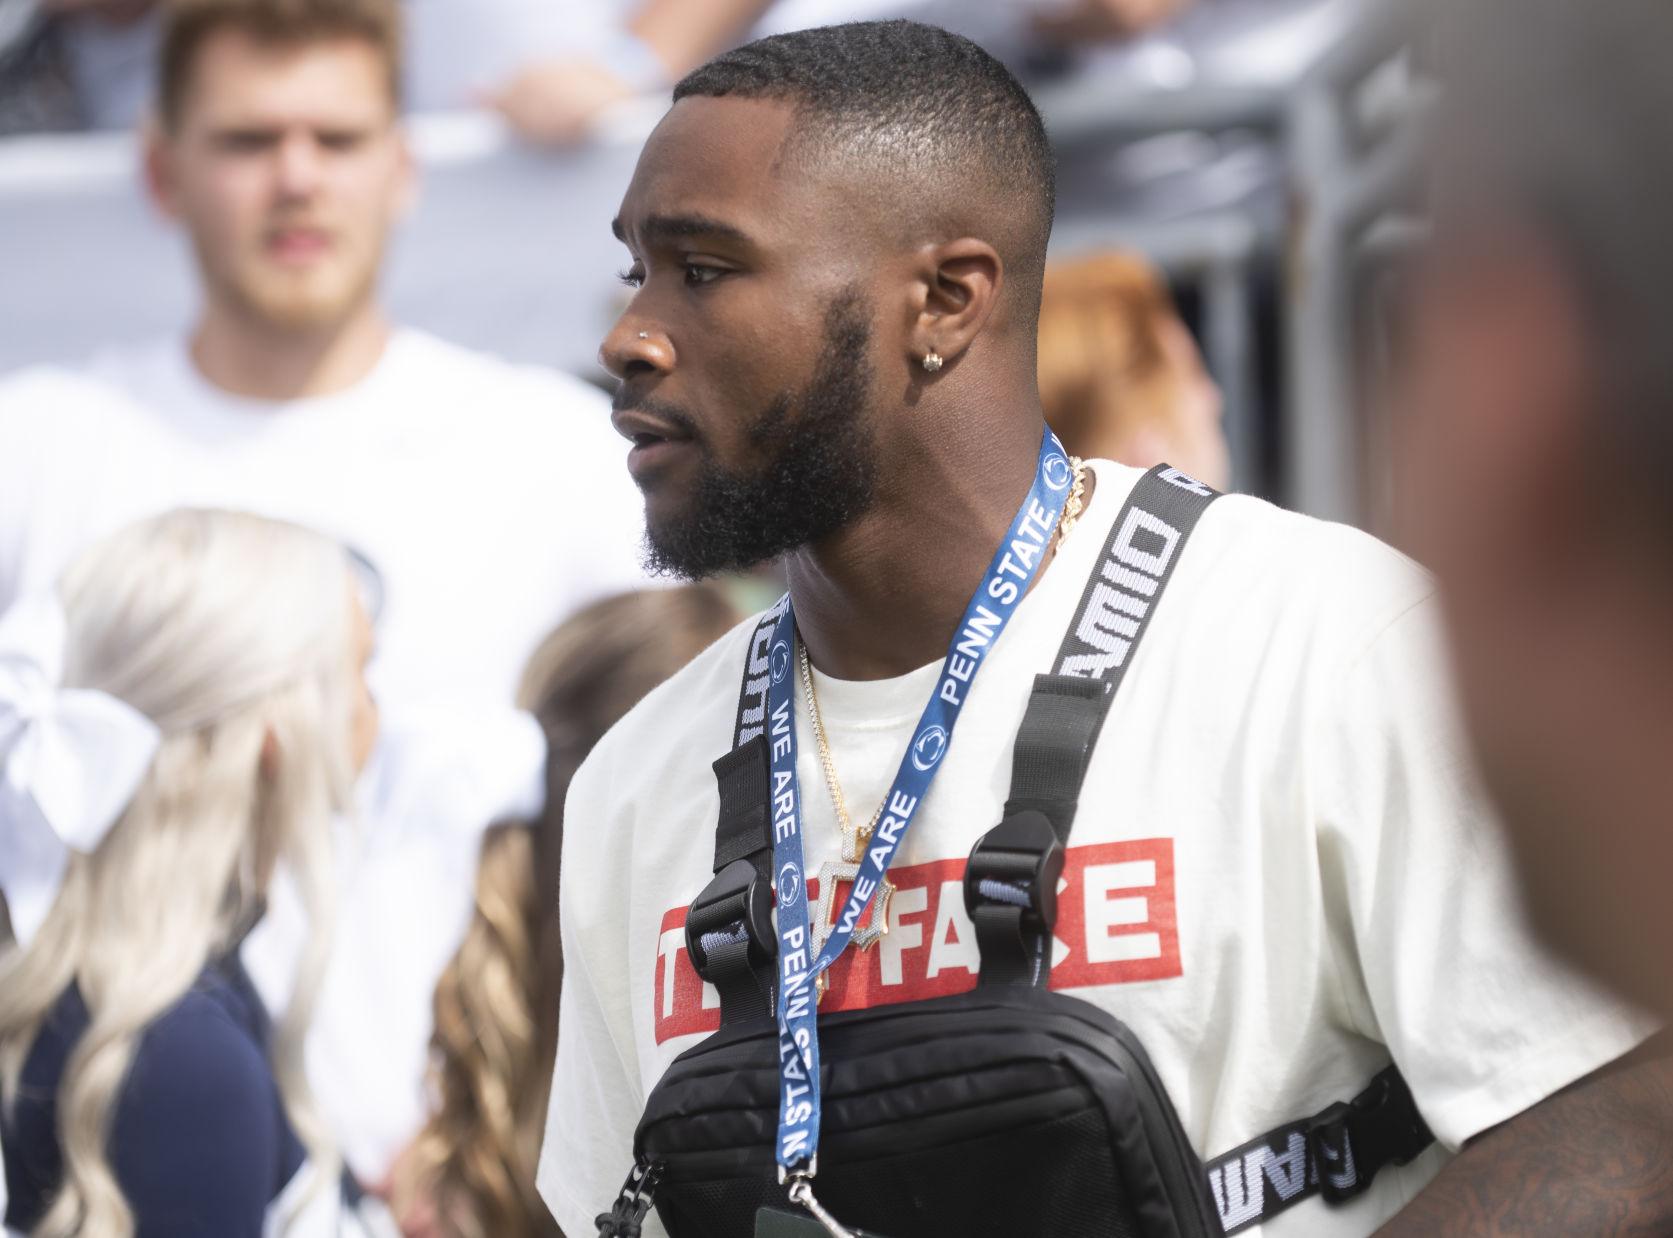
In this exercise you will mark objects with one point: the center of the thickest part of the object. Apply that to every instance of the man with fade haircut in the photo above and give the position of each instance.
(488, 496)
(1280, 876)
(1538, 402)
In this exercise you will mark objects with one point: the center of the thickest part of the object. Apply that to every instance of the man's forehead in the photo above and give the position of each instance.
(715, 159)
(237, 78)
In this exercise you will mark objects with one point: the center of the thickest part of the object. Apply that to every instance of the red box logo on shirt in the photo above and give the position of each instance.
(1116, 924)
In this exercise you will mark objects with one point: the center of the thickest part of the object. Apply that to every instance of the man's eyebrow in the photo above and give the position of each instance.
(659, 228)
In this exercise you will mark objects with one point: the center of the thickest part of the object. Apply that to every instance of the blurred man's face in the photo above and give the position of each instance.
(287, 167)
(1556, 597)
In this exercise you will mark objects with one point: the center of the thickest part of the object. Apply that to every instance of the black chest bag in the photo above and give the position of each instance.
(1009, 1110)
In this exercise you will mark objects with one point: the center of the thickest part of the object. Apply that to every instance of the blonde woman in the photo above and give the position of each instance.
(187, 710)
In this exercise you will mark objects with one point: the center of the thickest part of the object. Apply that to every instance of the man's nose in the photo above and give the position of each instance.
(635, 347)
(299, 165)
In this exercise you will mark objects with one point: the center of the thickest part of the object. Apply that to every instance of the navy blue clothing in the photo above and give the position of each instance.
(200, 1142)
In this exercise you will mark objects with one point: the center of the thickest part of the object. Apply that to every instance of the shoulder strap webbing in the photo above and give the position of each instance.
(1333, 1154)
(728, 928)
(1010, 882)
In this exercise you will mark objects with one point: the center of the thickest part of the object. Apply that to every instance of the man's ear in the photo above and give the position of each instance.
(269, 755)
(955, 294)
(1554, 479)
(1498, 407)
(159, 170)
(406, 192)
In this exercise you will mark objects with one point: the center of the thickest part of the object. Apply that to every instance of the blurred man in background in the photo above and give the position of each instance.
(490, 499)
(551, 69)
(1539, 461)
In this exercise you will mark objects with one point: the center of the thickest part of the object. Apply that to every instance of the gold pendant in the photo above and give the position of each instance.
(864, 937)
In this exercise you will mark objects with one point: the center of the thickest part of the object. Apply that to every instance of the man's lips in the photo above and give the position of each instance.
(655, 440)
(298, 244)
(642, 426)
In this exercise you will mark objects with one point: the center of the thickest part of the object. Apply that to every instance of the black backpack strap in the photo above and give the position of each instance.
(1333, 1154)
(728, 928)
(1011, 879)
(1010, 882)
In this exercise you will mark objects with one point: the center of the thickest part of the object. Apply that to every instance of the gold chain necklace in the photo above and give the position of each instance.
(854, 841)
(1073, 504)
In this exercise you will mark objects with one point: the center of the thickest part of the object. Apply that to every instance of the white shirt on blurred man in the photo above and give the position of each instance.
(492, 499)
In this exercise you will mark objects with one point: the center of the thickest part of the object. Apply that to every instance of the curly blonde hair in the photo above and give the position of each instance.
(496, 1005)
(231, 633)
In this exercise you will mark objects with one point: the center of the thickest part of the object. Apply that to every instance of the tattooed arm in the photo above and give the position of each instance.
(1593, 1161)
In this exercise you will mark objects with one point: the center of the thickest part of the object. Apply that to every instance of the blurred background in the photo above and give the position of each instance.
(1259, 153)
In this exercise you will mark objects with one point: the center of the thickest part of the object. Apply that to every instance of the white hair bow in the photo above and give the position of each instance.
(70, 761)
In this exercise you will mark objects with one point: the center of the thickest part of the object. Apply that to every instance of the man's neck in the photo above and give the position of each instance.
(260, 361)
(885, 596)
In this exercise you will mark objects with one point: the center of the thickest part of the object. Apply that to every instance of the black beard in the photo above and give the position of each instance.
(820, 471)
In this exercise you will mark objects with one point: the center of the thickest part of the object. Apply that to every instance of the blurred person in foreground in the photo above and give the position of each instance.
(471, 1170)
(1120, 376)
(185, 710)
(1284, 872)
(1538, 470)
(489, 497)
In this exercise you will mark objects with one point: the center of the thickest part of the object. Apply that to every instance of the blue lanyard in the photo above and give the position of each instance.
(1013, 569)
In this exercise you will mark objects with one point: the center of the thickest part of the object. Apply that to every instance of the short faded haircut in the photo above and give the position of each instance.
(188, 24)
(1559, 113)
(925, 109)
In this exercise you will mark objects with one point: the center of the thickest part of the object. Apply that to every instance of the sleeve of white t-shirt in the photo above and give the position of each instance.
(1436, 959)
(596, 1096)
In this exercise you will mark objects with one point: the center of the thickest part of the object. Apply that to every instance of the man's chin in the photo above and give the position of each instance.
(315, 305)
(1583, 885)
(689, 546)
(676, 554)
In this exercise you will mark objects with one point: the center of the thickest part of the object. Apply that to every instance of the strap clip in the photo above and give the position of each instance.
(1017, 864)
(1349, 1143)
(736, 901)
(627, 1214)
(1330, 1152)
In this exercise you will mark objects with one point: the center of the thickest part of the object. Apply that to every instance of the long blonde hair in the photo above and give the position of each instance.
(232, 633)
(496, 1006)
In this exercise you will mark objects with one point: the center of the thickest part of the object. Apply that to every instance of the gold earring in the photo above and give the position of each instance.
(932, 362)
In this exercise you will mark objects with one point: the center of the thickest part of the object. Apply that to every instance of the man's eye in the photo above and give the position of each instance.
(697, 274)
(633, 277)
(246, 143)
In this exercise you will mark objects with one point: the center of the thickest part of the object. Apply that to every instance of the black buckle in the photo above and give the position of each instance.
(1330, 1151)
(736, 898)
(1350, 1142)
(627, 1214)
(1017, 864)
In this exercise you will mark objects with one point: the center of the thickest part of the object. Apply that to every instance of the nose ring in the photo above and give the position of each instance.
(644, 335)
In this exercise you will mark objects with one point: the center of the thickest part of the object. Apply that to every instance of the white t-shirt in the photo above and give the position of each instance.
(494, 501)
(1281, 874)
